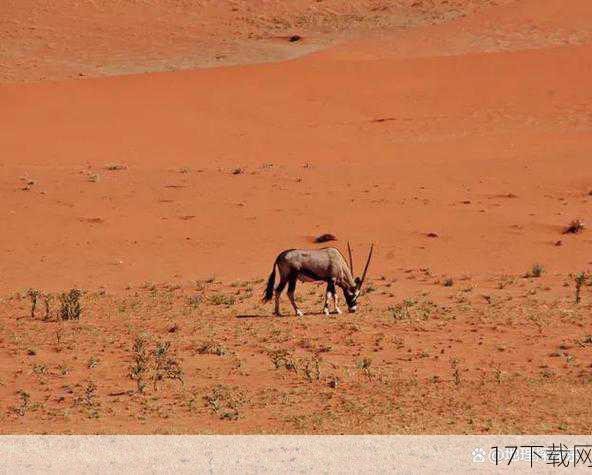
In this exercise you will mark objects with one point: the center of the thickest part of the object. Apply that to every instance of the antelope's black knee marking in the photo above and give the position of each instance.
(331, 287)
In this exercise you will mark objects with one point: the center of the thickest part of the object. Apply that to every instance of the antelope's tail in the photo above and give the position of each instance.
(270, 284)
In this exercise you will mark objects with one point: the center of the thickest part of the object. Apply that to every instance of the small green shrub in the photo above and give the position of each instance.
(70, 308)
(33, 295)
(139, 369)
(225, 402)
(283, 359)
(211, 348)
(221, 299)
(536, 271)
(580, 279)
(166, 366)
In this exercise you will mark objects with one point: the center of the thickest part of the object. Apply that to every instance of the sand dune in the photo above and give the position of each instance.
(380, 149)
(62, 39)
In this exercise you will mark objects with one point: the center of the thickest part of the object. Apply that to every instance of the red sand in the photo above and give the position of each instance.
(477, 129)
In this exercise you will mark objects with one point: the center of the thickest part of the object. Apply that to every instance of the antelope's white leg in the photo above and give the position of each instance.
(291, 289)
(337, 310)
(299, 312)
(326, 307)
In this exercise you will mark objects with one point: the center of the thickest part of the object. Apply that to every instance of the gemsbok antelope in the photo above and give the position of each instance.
(309, 265)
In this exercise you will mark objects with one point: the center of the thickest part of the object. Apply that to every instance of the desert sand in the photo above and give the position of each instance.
(456, 136)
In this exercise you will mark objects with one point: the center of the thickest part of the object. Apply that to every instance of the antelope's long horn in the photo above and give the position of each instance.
(367, 263)
(351, 261)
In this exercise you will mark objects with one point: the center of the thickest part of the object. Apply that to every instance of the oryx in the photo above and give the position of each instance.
(309, 265)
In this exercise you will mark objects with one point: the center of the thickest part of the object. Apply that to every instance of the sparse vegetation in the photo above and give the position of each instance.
(47, 301)
(211, 348)
(367, 358)
(70, 308)
(506, 281)
(194, 301)
(283, 359)
(33, 295)
(225, 401)
(498, 374)
(312, 369)
(364, 364)
(166, 366)
(536, 271)
(162, 365)
(40, 369)
(139, 370)
(455, 371)
(92, 362)
(59, 336)
(25, 401)
(90, 391)
(401, 310)
(412, 310)
(580, 280)
(221, 299)
(115, 167)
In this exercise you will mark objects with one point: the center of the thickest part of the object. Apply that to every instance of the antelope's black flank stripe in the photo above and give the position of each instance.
(310, 274)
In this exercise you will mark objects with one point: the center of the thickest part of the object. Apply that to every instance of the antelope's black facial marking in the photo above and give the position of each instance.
(351, 297)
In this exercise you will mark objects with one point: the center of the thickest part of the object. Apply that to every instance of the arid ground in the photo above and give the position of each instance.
(158, 155)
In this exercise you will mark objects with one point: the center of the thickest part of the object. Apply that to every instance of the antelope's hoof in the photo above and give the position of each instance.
(338, 311)
(277, 314)
(326, 311)
(299, 313)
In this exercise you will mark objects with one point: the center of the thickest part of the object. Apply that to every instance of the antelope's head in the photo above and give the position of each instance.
(353, 292)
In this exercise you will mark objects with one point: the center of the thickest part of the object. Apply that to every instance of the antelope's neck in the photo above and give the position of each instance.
(346, 279)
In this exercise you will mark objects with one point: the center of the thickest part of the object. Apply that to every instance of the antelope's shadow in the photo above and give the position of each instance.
(271, 316)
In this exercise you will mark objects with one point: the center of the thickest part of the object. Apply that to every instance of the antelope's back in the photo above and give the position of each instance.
(318, 261)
